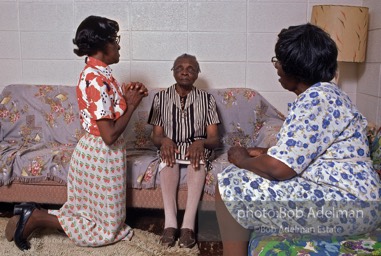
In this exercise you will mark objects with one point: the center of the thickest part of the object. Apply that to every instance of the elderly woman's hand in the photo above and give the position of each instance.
(168, 150)
(196, 153)
(236, 154)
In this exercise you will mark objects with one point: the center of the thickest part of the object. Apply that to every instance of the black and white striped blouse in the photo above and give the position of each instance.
(187, 125)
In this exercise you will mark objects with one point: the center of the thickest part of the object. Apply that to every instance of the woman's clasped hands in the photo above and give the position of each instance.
(134, 92)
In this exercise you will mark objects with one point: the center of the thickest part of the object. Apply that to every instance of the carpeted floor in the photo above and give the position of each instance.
(147, 223)
(208, 236)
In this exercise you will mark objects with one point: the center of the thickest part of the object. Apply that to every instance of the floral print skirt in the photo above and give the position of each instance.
(95, 211)
(294, 206)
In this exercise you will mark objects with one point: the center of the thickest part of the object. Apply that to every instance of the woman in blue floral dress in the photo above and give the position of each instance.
(318, 179)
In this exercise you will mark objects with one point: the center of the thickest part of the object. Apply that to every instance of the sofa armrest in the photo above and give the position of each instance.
(267, 134)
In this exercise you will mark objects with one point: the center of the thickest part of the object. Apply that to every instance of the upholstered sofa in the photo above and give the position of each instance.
(39, 128)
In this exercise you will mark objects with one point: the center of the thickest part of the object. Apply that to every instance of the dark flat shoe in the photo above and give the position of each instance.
(187, 238)
(25, 210)
(169, 237)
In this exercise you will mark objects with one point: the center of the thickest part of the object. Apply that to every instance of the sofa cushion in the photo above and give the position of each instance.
(34, 162)
(247, 119)
(138, 131)
(39, 113)
(141, 168)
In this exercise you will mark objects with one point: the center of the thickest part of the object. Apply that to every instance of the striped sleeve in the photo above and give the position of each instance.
(212, 117)
(155, 113)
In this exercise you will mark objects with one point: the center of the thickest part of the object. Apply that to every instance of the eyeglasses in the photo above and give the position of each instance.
(116, 38)
(274, 60)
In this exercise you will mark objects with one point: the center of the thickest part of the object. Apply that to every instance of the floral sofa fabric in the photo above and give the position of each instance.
(39, 128)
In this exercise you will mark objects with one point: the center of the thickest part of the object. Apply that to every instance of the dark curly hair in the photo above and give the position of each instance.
(307, 53)
(93, 34)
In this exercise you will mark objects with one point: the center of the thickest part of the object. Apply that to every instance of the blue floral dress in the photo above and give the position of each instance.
(336, 190)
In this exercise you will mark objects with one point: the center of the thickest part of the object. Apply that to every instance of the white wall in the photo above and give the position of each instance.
(232, 39)
(369, 76)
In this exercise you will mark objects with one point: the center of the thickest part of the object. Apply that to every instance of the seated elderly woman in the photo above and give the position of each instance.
(318, 178)
(184, 120)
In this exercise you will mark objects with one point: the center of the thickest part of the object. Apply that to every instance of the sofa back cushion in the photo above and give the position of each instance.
(49, 114)
(247, 119)
(39, 113)
(138, 131)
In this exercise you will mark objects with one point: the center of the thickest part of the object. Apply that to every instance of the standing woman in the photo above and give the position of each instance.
(95, 212)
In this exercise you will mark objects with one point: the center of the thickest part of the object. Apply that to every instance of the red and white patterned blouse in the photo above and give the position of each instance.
(99, 95)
